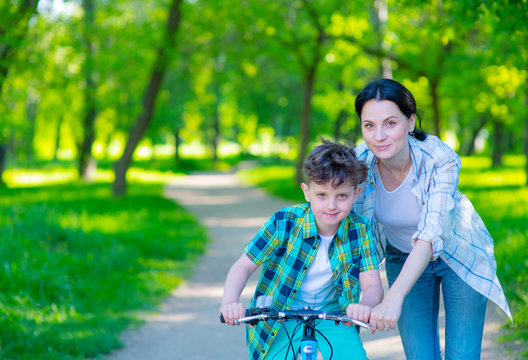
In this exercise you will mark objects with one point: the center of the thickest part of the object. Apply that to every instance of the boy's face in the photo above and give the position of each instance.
(330, 205)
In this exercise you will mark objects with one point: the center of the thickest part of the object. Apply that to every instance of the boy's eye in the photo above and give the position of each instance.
(342, 196)
(321, 195)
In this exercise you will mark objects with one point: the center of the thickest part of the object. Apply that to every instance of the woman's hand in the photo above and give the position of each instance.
(359, 312)
(232, 312)
(385, 316)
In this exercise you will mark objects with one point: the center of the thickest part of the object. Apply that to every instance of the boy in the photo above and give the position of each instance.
(304, 250)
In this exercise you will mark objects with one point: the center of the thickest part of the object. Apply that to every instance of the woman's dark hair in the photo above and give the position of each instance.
(388, 89)
(336, 163)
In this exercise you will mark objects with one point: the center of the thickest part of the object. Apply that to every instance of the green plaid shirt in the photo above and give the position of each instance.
(286, 246)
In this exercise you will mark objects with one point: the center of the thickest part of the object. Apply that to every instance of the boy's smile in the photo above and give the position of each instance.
(329, 205)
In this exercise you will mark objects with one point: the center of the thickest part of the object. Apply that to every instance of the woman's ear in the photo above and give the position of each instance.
(412, 122)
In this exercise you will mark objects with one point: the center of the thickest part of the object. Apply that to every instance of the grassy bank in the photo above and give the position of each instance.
(500, 197)
(76, 265)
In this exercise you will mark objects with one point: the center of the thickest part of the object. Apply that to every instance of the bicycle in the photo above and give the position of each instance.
(306, 317)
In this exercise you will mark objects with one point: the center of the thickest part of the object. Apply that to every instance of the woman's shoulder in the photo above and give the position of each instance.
(362, 151)
(434, 149)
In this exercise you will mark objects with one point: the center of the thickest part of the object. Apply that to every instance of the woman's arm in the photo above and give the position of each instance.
(386, 315)
(231, 308)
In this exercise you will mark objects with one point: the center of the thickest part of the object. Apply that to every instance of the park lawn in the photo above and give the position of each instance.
(77, 266)
(498, 194)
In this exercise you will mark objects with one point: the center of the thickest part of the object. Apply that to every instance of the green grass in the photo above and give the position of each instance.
(76, 265)
(500, 197)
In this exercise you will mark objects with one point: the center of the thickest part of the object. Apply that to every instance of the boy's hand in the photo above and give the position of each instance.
(233, 312)
(359, 312)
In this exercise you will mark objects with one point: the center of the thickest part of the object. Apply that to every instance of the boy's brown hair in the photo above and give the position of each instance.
(334, 162)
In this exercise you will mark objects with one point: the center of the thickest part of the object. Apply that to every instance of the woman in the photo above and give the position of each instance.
(426, 229)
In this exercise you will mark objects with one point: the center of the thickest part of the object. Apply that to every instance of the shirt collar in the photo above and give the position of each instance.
(309, 226)
(416, 157)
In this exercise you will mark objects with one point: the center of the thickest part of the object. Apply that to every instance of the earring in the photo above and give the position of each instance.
(411, 133)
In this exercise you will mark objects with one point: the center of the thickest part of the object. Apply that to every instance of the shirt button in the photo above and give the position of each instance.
(294, 291)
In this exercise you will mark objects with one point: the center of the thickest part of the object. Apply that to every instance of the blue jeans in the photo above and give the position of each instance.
(465, 310)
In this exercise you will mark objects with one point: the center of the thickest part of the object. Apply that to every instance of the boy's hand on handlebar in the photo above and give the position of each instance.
(359, 312)
(232, 312)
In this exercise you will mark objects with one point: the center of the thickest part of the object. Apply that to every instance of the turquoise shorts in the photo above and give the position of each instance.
(345, 341)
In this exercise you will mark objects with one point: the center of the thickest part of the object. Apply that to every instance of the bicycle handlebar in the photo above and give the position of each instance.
(255, 315)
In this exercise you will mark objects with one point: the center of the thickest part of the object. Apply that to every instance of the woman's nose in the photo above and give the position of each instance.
(380, 133)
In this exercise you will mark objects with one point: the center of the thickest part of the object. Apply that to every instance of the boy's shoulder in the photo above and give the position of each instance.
(292, 212)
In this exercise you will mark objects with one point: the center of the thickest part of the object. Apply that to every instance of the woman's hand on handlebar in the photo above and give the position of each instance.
(385, 316)
(232, 312)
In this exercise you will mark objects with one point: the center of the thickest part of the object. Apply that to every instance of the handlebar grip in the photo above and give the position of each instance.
(248, 313)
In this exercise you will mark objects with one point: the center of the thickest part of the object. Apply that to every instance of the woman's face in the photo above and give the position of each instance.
(385, 129)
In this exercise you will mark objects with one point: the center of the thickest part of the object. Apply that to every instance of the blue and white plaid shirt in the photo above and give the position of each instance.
(447, 218)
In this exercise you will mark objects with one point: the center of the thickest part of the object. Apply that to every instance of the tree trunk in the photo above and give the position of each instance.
(305, 122)
(216, 124)
(31, 116)
(436, 106)
(57, 138)
(309, 79)
(379, 23)
(149, 99)
(216, 134)
(341, 117)
(177, 143)
(470, 147)
(90, 113)
(498, 143)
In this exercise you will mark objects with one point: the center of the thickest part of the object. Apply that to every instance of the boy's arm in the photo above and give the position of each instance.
(371, 295)
(236, 280)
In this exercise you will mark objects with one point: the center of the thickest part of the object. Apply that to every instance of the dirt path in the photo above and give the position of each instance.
(187, 326)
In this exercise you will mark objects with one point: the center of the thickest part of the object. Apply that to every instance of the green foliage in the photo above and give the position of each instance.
(276, 180)
(76, 265)
(237, 72)
(500, 197)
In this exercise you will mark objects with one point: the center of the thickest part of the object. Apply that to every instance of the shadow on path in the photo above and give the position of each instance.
(187, 325)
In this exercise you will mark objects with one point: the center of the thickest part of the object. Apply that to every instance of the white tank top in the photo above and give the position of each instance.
(318, 288)
(398, 212)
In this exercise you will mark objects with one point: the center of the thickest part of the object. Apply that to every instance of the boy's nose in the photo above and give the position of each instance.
(332, 204)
